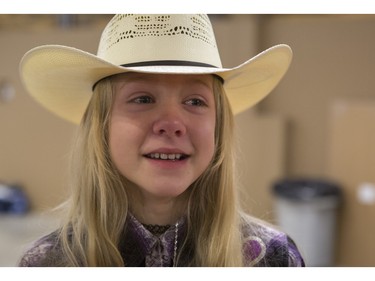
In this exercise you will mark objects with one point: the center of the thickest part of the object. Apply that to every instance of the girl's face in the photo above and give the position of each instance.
(162, 130)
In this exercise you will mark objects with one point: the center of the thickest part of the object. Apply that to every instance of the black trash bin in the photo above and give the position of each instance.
(306, 209)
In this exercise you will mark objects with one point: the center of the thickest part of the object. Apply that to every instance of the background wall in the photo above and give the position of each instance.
(292, 133)
(34, 143)
(333, 58)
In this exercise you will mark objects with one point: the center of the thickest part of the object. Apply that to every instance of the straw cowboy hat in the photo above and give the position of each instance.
(62, 78)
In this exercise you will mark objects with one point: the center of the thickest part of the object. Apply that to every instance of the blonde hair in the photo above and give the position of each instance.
(213, 210)
(99, 203)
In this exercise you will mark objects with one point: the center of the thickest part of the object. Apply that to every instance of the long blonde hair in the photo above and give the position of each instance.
(99, 203)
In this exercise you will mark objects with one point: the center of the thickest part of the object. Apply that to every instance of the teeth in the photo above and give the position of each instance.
(164, 156)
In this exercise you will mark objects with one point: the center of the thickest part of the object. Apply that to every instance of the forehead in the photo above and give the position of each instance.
(204, 79)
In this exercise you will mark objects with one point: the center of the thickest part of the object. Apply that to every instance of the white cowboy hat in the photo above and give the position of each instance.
(61, 78)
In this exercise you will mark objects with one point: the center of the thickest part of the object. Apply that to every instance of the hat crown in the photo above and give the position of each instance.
(134, 39)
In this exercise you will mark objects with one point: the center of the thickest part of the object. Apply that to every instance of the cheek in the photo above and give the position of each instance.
(122, 139)
(206, 139)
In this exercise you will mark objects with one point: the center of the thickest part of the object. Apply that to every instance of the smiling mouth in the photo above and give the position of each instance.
(167, 156)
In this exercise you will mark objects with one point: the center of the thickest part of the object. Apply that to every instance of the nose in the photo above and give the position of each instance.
(169, 123)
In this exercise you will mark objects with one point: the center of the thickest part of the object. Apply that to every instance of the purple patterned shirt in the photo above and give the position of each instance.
(263, 246)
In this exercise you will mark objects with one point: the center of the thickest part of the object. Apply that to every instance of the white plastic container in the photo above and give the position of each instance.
(307, 211)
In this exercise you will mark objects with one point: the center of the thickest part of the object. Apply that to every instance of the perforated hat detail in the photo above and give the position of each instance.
(143, 38)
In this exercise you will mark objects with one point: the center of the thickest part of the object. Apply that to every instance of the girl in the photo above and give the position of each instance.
(152, 167)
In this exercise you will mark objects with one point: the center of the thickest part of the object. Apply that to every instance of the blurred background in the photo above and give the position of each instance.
(317, 126)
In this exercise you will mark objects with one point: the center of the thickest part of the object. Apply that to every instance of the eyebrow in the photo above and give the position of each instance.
(201, 82)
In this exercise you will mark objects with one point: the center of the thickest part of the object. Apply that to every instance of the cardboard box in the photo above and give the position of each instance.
(351, 162)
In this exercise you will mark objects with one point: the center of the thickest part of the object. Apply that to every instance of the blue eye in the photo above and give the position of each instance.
(196, 102)
(143, 99)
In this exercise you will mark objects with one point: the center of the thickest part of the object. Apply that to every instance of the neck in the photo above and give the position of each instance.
(160, 211)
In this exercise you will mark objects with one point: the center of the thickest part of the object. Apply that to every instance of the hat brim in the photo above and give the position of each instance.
(61, 78)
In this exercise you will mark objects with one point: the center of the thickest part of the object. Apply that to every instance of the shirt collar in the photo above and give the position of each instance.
(139, 246)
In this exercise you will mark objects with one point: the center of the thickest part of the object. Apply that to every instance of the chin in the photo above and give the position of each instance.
(168, 192)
